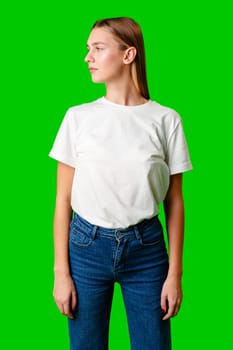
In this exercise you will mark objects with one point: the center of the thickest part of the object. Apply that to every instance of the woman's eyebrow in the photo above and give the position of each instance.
(96, 43)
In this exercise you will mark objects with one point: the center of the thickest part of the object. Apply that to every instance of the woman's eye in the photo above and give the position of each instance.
(99, 48)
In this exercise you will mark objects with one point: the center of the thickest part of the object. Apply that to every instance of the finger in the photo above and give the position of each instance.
(163, 303)
(171, 310)
(67, 312)
(177, 308)
(60, 307)
(73, 300)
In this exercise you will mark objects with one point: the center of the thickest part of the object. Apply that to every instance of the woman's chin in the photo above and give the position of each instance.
(96, 80)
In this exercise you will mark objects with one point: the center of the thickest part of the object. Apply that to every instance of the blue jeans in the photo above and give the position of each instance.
(136, 258)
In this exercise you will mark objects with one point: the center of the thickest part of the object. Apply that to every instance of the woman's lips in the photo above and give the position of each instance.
(92, 69)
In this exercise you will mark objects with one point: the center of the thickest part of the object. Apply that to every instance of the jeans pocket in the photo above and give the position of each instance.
(152, 235)
(79, 235)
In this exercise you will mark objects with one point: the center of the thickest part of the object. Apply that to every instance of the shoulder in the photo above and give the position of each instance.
(75, 114)
(84, 107)
(164, 111)
(166, 116)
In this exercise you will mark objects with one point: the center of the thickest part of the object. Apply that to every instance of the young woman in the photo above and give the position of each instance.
(119, 157)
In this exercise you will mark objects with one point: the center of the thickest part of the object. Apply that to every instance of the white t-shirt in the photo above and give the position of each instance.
(123, 157)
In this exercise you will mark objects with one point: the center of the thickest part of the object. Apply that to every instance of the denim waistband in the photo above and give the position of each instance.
(136, 227)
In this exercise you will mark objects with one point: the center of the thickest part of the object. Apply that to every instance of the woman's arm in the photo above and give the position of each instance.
(174, 211)
(64, 291)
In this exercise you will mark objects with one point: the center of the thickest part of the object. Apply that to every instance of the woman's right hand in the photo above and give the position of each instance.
(64, 294)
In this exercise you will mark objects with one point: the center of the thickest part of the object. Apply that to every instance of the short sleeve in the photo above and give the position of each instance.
(178, 158)
(63, 148)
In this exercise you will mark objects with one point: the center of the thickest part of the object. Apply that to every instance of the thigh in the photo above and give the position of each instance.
(89, 329)
(146, 328)
(146, 268)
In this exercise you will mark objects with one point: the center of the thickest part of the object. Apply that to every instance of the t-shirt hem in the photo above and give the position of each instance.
(103, 223)
(181, 169)
(62, 159)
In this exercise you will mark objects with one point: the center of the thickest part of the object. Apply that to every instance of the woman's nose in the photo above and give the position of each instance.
(89, 58)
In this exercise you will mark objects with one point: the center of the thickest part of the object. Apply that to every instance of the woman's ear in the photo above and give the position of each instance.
(129, 55)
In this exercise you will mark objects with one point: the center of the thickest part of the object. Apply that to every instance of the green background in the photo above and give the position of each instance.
(43, 74)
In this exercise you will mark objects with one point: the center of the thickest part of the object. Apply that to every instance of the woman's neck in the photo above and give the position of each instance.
(126, 95)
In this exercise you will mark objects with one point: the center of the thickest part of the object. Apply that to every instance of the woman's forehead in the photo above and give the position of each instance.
(100, 36)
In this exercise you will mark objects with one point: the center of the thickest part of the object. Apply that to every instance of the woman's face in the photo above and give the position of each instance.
(104, 58)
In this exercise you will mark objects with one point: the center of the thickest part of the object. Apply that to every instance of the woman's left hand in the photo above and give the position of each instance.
(171, 297)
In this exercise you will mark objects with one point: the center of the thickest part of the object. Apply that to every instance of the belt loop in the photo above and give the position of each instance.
(93, 234)
(137, 233)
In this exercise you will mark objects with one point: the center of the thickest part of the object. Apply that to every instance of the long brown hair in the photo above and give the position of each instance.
(128, 33)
